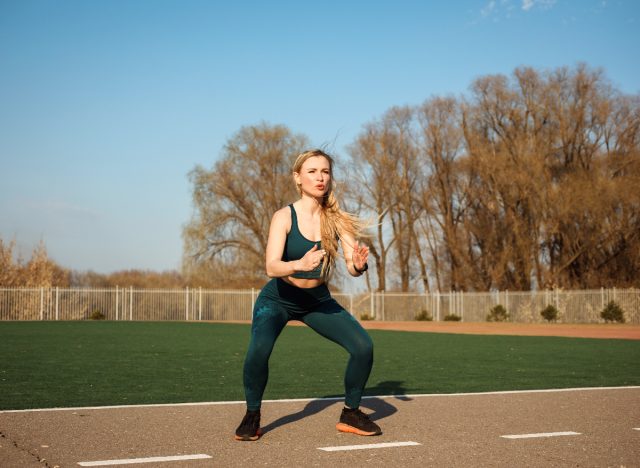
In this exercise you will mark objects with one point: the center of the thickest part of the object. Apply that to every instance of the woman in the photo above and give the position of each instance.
(301, 249)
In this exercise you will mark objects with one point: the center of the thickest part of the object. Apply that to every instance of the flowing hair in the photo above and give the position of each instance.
(334, 222)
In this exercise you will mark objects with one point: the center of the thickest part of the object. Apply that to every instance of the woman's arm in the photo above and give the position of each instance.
(355, 255)
(275, 266)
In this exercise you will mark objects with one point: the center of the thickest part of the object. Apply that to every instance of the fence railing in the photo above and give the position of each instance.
(199, 304)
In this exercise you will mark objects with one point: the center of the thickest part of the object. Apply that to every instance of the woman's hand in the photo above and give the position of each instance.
(359, 256)
(311, 259)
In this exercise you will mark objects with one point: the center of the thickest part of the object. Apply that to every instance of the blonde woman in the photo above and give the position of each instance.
(301, 249)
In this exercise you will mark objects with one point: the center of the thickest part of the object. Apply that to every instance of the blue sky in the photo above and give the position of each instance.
(105, 106)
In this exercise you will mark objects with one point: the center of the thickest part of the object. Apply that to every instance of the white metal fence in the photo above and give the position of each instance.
(199, 304)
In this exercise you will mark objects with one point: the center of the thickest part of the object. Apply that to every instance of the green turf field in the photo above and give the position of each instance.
(62, 364)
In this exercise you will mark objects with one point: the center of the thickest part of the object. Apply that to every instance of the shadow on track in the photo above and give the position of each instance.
(381, 408)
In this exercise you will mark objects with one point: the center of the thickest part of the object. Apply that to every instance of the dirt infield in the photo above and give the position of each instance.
(580, 427)
(621, 331)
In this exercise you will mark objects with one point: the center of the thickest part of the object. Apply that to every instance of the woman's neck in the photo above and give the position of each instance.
(309, 204)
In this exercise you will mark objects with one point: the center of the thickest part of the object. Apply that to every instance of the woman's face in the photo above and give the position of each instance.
(314, 177)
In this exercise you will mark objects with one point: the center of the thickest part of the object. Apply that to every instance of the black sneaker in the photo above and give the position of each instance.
(249, 428)
(356, 422)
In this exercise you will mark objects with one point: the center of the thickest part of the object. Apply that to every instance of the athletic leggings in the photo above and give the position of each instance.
(280, 302)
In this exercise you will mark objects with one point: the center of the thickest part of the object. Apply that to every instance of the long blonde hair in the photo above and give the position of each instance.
(334, 222)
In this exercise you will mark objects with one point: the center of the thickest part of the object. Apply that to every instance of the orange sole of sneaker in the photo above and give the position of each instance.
(249, 439)
(353, 430)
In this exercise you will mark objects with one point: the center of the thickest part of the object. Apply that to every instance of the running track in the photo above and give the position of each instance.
(579, 427)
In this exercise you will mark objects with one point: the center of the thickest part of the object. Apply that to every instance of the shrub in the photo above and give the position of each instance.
(97, 315)
(549, 313)
(365, 316)
(498, 314)
(612, 313)
(424, 316)
(452, 318)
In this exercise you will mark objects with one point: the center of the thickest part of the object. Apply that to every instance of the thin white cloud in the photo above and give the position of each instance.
(488, 8)
(504, 10)
(529, 4)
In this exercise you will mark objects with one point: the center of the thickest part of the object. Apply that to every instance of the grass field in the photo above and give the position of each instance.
(62, 364)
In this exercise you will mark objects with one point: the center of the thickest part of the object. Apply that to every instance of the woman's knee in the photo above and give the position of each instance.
(363, 348)
(260, 348)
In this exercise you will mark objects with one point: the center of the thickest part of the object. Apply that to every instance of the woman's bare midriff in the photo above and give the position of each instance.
(303, 283)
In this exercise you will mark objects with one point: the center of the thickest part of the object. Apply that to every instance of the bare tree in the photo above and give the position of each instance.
(371, 190)
(405, 209)
(504, 137)
(234, 201)
(38, 271)
(384, 161)
(441, 194)
(593, 219)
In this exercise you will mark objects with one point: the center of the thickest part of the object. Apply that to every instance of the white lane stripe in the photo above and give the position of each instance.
(541, 434)
(367, 446)
(296, 400)
(130, 461)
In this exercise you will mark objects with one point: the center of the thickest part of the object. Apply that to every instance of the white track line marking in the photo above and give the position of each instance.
(130, 461)
(636, 428)
(297, 400)
(368, 446)
(541, 434)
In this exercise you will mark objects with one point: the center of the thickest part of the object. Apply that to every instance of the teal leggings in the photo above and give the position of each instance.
(280, 302)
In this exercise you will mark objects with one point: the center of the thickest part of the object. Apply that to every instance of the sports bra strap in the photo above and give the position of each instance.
(294, 216)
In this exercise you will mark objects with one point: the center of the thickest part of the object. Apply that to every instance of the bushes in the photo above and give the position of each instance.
(549, 313)
(424, 316)
(612, 313)
(97, 315)
(522, 309)
(498, 314)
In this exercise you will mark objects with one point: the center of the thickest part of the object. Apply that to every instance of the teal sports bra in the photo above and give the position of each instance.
(296, 245)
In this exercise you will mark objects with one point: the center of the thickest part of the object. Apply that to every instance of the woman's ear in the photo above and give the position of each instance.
(296, 177)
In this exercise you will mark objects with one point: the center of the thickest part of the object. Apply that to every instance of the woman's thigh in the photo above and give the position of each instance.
(269, 318)
(333, 322)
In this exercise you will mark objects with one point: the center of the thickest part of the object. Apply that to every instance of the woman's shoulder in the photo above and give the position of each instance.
(284, 211)
(282, 216)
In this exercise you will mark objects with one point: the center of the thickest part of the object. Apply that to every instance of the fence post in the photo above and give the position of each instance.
(130, 303)
(371, 304)
(117, 303)
(546, 298)
(186, 304)
(200, 303)
(57, 296)
(41, 303)
(506, 299)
